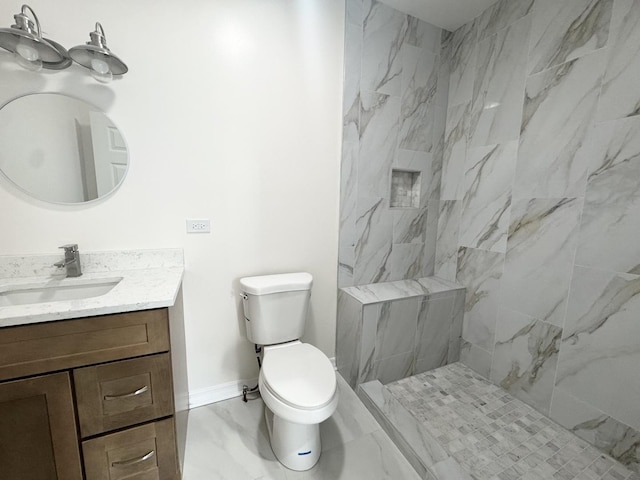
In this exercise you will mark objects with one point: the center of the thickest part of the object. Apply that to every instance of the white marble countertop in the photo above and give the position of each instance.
(387, 291)
(142, 287)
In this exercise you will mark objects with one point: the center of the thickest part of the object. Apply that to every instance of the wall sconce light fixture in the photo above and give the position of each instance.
(97, 57)
(33, 52)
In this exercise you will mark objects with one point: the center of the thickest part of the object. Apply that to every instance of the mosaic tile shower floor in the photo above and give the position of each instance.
(495, 436)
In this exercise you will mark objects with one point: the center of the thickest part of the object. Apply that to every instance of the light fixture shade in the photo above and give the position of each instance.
(27, 34)
(97, 50)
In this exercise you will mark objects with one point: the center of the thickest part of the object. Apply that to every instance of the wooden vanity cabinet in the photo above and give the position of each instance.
(113, 374)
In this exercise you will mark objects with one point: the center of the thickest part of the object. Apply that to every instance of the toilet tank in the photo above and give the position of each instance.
(275, 306)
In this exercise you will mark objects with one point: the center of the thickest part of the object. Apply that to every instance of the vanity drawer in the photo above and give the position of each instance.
(147, 452)
(120, 394)
(47, 347)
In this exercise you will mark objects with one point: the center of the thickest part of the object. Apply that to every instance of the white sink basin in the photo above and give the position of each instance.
(56, 291)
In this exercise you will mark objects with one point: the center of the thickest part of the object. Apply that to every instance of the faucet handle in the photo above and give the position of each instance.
(71, 247)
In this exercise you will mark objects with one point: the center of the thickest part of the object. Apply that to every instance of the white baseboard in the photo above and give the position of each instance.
(218, 393)
(224, 391)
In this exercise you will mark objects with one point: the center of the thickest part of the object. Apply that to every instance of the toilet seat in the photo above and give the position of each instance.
(297, 382)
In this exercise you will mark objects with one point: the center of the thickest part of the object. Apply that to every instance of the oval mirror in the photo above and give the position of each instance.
(60, 149)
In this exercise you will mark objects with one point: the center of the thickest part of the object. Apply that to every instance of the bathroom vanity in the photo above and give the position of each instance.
(90, 395)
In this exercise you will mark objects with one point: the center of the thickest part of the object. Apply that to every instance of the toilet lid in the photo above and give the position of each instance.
(299, 375)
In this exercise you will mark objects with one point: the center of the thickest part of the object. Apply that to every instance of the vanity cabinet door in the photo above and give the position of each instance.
(120, 394)
(38, 435)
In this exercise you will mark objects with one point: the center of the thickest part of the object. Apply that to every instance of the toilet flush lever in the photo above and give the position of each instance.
(244, 296)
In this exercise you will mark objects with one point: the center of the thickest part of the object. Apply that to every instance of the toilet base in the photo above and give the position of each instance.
(295, 445)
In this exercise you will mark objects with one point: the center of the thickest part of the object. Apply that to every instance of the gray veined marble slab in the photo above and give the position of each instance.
(606, 433)
(379, 116)
(462, 53)
(525, 358)
(601, 336)
(540, 252)
(435, 319)
(419, 84)
(348, 337)
(388, 291)
(447, 244)
(559, 107)
(431, 238)
(610, 225)
(502, 14)
(406, 261)
(396, 327)
(409, 225)
(346, 261)
(620, 97)
(424, 35)
(355, 12)
(499, 85)
(481, 272)
(348, 193)
(374, 227)
(351, 89)
(488, 182)
(566, 30)
(455, 151)
(385, 30)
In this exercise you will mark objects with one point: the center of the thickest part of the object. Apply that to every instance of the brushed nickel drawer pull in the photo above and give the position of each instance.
(127, 395)
(133, 461)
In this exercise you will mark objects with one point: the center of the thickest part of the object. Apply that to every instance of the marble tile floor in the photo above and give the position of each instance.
(494, 436)
(228, 440)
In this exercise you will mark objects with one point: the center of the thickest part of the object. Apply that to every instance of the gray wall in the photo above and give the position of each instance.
(540, 208)
(394, 111)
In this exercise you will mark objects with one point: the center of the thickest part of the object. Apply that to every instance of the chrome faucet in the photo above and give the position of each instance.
(71, 260)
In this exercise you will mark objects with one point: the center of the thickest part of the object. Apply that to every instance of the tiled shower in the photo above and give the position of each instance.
(521, 131)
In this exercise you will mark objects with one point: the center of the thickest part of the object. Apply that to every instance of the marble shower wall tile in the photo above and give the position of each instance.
(610, 225)
(374, 227)
(606, 433)
(406, 261)
(435, 319)
(475, 358)
(351, 89)
(481, 272)
(620, 96)
(446, 259)
(379, 117)
(566, 30)
(396, 327)
(540, 254)
(390, 120)
(431, 239)
(500, 15)
(499, 85)
(455, 151)
(525, 358)
(600, 337)
(558, 112)
(462, 52)
(488, 180)
(419, 85)
(384, 32)
(348, 337)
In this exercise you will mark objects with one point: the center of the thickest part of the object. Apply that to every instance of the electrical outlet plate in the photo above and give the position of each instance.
(198, 225)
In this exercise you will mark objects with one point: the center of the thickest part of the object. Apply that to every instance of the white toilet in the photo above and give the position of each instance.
(297, 381)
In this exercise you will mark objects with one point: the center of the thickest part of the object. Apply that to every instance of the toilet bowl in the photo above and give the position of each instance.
(298, 386)
(297, 381)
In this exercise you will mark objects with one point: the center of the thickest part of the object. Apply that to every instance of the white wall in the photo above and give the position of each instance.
(231, 111)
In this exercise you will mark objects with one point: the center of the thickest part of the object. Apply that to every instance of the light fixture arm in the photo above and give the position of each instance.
(23, 21)
(98, 37)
